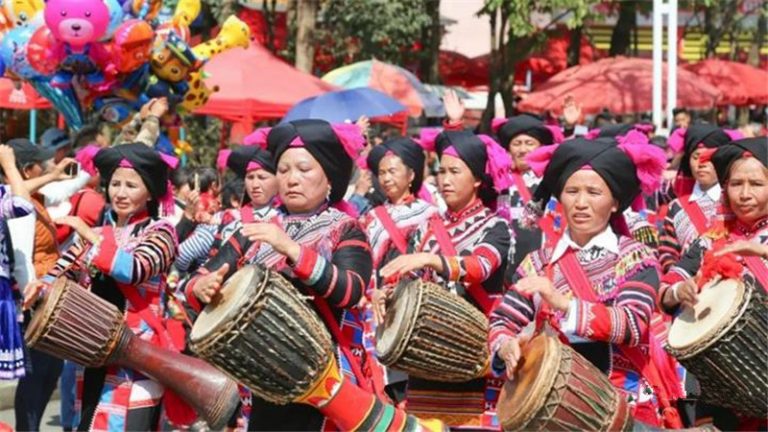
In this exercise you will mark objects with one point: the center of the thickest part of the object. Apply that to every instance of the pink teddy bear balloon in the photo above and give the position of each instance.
(77, 26)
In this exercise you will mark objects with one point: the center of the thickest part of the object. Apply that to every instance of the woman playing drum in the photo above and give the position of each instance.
(322, 250)
(398, 165)
(742, 169)
(124, 262)
(467, 253)
(596, 285)
(257, 169)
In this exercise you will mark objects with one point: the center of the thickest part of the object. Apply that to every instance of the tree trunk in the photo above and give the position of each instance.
(306, 16)
(493, 77)
(621, 38)
(574, 48)
(757, 42)
(432, 35)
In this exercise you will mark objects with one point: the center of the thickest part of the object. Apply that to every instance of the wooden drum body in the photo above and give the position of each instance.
(433, 334)
(723, 341)
(75, 324)
(555, 388)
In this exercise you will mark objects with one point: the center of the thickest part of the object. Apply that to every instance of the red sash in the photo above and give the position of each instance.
(477, 292)
(389, 225)
(581, 287)
(522, 189)
(759, 270)
(695, 214)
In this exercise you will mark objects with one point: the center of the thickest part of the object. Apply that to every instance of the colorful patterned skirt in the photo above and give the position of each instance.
(11, 339)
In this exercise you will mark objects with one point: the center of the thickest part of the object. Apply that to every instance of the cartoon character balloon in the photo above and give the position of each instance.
(132, 45)
(172, 62)
(186, 12)
(116, 16)
(198, 93)
(77, 25)
(22, 12)
(14, 52)
(234, 33)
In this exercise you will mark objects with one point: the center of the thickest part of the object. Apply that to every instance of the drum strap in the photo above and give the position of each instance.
(476, 291)
(521, 187)
(581, 286)
(343, 342)
(389, 225)
(695, 214)
(759, 270)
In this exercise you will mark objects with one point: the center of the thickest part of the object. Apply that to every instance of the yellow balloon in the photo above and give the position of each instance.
(186, 12)
(198, 93)
(234, 33)
(21, 12)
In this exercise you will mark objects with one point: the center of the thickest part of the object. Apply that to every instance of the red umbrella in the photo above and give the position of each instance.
(740, 83)
(622, 85)
(21, 98)
(254, 85)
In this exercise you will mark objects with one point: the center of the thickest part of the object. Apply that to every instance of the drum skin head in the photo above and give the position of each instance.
(397, 325)
(225, 307)
(715, 311)
(42, 315)
(522, 397)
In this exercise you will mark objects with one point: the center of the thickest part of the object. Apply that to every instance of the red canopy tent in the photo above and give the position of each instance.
(740, 83)
(622, 85)
(20, 98)
(255, 85)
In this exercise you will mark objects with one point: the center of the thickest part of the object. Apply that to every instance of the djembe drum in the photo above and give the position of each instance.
(723, 341)
(261, 332)
(74, 324)
(555, 388)
(433, 334)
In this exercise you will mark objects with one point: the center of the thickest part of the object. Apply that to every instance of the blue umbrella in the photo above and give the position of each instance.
(345, 105)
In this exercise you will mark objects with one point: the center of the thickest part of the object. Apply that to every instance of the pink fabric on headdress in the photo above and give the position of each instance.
(221, 160)
(351, 137)
(125, 163)
(258, 137)
(557, 134)
(539, 159)
(633, 137)
(253, 166)
(676, 140)
(347, 208)
(649, 161)
(85, 156)
(734, 134)
(167, 203)
(428, 137)
(425, 195)
(451, 151)
(171, 161)
(497, 123)
(592, 134)
(498, 165)
(296, 143)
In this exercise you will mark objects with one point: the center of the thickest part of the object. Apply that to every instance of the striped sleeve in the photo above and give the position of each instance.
(68, 264)
(196, 247)
(626, 321)
(670, 249)
(343, 279)
(13, 206)
(486, 257)
(153, 256)
(515, 310)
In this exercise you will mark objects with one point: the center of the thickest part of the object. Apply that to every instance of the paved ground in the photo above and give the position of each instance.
(50, 420)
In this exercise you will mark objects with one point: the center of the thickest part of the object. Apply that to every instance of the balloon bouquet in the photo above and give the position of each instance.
(110, 56)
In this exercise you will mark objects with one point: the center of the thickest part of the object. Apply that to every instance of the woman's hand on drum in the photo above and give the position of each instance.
(408, 263)
(685, 293)
(510, 352)
(531, 285)
(379, 303)
(208, 285)
(83, 230)
(31, 293)
(274, 235)
(744, 248)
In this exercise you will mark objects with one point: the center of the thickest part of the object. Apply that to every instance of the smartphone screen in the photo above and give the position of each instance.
(71, 169)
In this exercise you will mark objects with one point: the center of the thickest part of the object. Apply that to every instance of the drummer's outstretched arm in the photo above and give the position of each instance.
(487, 257)
(687, 267)
(513, 314)
(343, 279)
(626, 321)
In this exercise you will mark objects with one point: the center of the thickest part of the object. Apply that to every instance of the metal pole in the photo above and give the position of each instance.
(657, 63)
(32, 125)
(671, 61)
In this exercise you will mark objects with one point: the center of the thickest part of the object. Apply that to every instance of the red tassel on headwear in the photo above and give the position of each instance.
(539, 159)
(353, 141)
(498, 165)
(222, 158)
(258, 137)
(428, 138)
(166, 202)
(650, 162)
(676, 140)
(497, 123)
(85, 156)
(705, 154)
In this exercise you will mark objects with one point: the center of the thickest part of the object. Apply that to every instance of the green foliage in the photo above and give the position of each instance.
(204, 134)
(354, 30)
(519, 13)
(221, 9)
